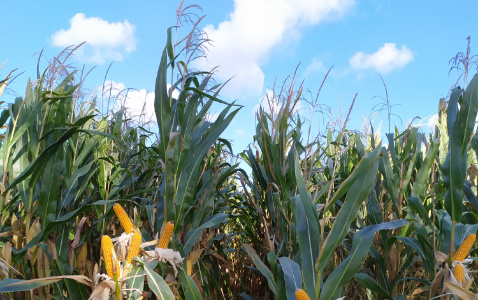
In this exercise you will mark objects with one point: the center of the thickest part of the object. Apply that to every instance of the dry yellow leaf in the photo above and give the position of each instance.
(81, 259)
(33, 251)
(192, 259)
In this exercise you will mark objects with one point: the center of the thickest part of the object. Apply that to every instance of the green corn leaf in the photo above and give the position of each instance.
(16, 285)
(416, 205)
(414, 243)
(411, 141)
(193, 235)
(374, 214)
(308, 238)
(50, 187)
(261, 267)
(135, 282)
(74, 190)
(157, 284)
(39, 162)
(470, 195)
(372, 285)
(43, 234)
(389, 179)
(293, 278)
(347, 269)
(365, 163)
(421, 182)
(356, 195)
(188, 179)
(190, 288)
(461, 230)
(452, 167)
(467, 114)
(162, 104)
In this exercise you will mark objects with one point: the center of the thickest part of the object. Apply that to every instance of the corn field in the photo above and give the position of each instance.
(93, 207)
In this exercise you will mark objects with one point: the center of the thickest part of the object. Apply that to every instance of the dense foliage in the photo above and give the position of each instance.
(341, 215)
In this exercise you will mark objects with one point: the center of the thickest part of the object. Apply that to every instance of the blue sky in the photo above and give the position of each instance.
(259, 41)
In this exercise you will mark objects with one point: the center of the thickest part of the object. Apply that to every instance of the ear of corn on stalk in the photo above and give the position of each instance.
(134, 247)
(166, 235)
(459, 274)
(465, 247)
(123, 218)
(300, 294)
(107, 246)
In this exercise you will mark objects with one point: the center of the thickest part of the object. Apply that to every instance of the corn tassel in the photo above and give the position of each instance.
(133, 250)
(300, 294)
(166, 235)
(123, 218)
(459, 274)
(465, 247)
(107, 246)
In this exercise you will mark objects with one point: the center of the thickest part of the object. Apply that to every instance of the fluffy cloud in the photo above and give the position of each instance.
(104, 41)
(385, 60)
(138, 105)
(243, 43)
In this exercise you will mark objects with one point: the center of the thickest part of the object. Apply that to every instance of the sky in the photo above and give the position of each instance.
(259, 43)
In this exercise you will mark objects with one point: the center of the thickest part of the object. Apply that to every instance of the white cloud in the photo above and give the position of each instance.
(385, 60)
(104, 41)
(137, 104)
(315, 66)
(242, 44)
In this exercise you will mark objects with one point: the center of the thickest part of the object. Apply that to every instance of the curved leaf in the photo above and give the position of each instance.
(468, 111)
(157, 284)
(355, 197)
(370, 284)
(361, 243)
(17, 285)
(293, 278)
(189, 286)
(261, 267)
(193, 235)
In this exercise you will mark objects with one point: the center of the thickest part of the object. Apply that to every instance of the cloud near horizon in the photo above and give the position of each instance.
(243, 43)
(105, 41)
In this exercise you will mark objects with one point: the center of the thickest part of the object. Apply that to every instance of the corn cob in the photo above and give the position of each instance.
(465, 247)
(300, 294)
(123, 218)
(459, 274)
(107, 246)
(133, 250)
(166, 235)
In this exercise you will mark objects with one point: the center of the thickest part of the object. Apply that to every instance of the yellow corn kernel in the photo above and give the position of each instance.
(123, 218)
(166, 235)
(465, 247)
(133, 250)
(459, 274)
(107, 246)
(300, 294)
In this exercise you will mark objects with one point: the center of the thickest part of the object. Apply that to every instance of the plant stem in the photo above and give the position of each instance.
(452, 242)
(319, 278)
